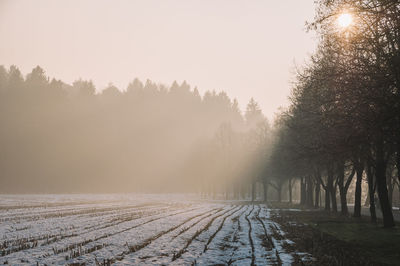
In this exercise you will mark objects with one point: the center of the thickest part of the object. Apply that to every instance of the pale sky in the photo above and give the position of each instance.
(244, 47)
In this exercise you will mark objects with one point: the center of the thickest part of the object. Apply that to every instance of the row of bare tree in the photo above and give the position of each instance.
(344, 118)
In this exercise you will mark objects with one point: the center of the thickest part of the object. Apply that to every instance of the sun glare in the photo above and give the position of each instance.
(344, 20)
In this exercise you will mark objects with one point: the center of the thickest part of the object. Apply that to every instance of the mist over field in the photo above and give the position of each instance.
(184, 132)
(140, 97)
(151, 137)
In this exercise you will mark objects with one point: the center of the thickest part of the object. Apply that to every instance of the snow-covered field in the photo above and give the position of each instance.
(126, 229)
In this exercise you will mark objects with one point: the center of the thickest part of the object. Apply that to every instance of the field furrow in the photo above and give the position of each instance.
(142, 230)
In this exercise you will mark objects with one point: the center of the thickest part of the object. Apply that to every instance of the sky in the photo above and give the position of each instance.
(245, 48)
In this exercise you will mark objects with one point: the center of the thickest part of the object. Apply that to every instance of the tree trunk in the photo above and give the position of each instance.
(310, 192)
(343, 203)
(253, 191)
(332, 190)
(398, 159)
(342, 191)
(380, 175)
(391, 183)
(344, 186)
(398, 189)
(327, 200)
(357, 196)
(265, 191)
(366, 203)
(333, 199)
(279, 192)
(302, 191)
(309, 195)
(290, 190)
(371, 192)
(317, 193)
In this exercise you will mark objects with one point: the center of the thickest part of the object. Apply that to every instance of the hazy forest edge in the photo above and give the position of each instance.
(149, 137)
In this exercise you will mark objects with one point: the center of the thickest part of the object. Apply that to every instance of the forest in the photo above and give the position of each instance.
(148, 137)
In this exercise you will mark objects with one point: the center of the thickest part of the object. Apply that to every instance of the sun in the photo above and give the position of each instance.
(345, 20)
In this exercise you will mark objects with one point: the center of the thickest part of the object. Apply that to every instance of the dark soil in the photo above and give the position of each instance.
(332, 239)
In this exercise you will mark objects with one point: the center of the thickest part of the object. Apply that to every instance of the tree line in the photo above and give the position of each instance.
(344, 119)
(59, 137)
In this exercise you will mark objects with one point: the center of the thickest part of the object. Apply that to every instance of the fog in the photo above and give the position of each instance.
(245, 49)
(198, 117)
(184, 132)
(152, 137)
